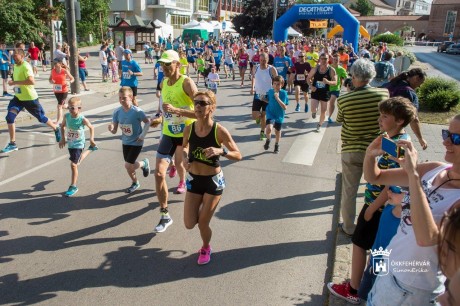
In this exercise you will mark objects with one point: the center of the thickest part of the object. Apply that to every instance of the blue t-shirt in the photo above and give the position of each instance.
(160, 72)
(274, 110)
(75, 131)
(280, 65)
(126, 79)
(217, 56)
(199, 50)
(191, 54)
(4, 56)
(387, 228)
(130, 124)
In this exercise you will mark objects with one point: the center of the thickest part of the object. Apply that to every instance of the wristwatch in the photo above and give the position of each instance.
(224, 152)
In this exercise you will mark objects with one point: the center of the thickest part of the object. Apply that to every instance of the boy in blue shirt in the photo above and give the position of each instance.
(130, 70)
(129, 117)
(73, 129)
(276, 108)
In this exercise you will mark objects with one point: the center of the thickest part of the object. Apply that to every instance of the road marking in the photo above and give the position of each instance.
(33, 170)
(304, 149)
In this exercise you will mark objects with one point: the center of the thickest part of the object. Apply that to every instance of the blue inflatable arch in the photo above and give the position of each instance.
(319, 11)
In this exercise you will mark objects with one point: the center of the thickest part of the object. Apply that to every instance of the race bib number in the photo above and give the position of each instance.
(73, 135)
(280, 69)
(219, 180)
(57, 87)
(320, 84)
(127, 129)
(176, 128)
(17, 90)
(212, 85)
(300, 77)
(309, 57)
(126, 75)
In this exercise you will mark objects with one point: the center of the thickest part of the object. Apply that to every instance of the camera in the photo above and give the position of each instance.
(348, 83)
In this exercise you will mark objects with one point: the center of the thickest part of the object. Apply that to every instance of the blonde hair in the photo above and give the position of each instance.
(126, 89)
(74, 100)
(207, 93)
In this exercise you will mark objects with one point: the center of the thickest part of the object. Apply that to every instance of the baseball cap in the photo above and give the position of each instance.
(169, 56)
(127, 51)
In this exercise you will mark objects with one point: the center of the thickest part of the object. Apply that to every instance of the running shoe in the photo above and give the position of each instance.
(318, 128)
(313, 115)
(133, 187)
(258, 120)
(277, 148)
(10, 148)
(262, 136)
(181, 188)
(329, 120)
(204, 255)
(146, 168)
(71, 191)
(306, 108)
(93, 148)
(297, 108)
(342, 291)
(267, 144)
(172, 171)
(57, 134)
(165, 222)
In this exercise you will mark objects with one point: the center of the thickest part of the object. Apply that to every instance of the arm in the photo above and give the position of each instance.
(415, 126)
(67, 72)
(185, 147)
(113, 127)
(224, 137)
(63, 127)
(51, 78)
(91, 131)
(333, 76)
(274, 72)
(29, 81)
(376, 204)
(281, 103)
(145, 129)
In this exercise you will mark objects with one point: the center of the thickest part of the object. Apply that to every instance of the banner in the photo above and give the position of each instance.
(320, 24)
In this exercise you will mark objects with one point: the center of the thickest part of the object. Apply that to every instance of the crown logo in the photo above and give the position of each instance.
(381, 252)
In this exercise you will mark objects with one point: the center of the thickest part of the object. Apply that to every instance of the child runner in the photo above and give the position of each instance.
(74, 122)
(276, 108)
(213, 80)
(129, 118)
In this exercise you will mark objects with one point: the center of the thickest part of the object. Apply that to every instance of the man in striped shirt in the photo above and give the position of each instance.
(358, 112)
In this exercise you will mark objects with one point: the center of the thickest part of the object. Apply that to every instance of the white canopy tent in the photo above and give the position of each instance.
(162, 29)
(292, 32)
(191, 24)
(207, 26)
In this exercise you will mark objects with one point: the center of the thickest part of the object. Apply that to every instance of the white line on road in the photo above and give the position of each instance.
(303, 150)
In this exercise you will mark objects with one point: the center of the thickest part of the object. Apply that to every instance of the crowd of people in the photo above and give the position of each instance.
(410, 209)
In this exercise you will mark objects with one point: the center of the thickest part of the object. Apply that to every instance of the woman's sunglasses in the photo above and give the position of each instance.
(395, 189)
(201, 103)
(454, 137)
(165, 64)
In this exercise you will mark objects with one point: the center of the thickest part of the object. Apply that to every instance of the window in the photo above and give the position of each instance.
(203, 5)
(451, 18)
(178, 20)
(185, 4)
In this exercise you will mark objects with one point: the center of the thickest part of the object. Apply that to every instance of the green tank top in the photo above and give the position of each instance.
(75, 132)
(173, 124)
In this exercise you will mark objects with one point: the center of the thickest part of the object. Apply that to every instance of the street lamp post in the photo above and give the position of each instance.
(275, 12)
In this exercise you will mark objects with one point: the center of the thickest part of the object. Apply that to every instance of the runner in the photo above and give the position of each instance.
(283, 64)
(191, 55)
(177, 92)
(129, 118)
(334, 90)
(202, 148)
(75, 124)
(228, 60)
(130, 71)
(34, 52)
(302, 69)
(243, 59)
(58, 77)
(25, 97)
(4, 68)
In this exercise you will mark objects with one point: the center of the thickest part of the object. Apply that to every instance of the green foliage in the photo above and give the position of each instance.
(404, 51)
(388, 38)
(20, 21)
(364, 7)
(438, 94)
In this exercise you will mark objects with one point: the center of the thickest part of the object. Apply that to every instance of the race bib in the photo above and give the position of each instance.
(176, 128)
(73, 135)
(280, 69)
(309, 57)
(320, 84)
(126, 129)
(126, 75)
(219, 180)
(300, 77)
(212, 85)
(57, 87)
(17, 90)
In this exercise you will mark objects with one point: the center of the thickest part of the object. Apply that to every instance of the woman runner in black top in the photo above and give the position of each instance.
(204, 142)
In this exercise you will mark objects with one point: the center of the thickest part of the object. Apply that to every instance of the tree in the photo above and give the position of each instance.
(20, 21)
(364, 7)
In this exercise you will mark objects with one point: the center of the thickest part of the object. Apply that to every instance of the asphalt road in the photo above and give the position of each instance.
(274, 230)
(445, 65)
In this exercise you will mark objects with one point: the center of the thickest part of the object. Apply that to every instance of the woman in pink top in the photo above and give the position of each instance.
(58, 78)
(243, 59)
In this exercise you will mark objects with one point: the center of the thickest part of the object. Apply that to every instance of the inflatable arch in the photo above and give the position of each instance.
(338, 29)
(319, 11)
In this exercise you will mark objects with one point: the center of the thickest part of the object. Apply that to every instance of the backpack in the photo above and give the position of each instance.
(382, 69)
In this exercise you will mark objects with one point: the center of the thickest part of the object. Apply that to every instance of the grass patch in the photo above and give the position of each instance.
(442, 118)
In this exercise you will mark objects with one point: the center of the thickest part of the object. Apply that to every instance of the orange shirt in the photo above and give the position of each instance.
(344, 59)
(60, 82)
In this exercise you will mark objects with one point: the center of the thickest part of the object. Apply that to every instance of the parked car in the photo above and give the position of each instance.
(443, 46)
(453, 49)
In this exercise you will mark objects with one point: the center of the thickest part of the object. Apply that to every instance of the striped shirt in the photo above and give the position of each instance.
(358, 111)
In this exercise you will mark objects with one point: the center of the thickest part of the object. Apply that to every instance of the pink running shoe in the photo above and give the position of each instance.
(172, 171)
(204, 255)
(181, 187)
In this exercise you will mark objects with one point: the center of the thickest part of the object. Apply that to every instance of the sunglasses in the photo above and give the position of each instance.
(454, 137)
(201, 103)
(73, 107)
(395, 189)
(301, 56)
(165, 64)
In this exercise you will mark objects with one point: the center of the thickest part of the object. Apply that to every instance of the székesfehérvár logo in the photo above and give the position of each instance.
(317, 10)
(380, 261)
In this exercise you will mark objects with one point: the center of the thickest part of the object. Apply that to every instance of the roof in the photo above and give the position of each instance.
(136, 21)
(394, 18)
(381, 4)
(353, 12)
(443, 2)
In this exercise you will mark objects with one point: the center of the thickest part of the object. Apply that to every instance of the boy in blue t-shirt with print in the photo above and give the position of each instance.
(276, 108)
(129, 117)
(73, 129)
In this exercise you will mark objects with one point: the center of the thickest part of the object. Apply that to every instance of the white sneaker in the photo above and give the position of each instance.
(165, 222)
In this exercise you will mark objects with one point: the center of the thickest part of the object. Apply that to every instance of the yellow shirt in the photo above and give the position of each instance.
(22, 73)
(174, 125)
(312, 58)
(183, 65)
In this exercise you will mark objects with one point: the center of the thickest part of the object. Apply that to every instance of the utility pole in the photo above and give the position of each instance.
(72, 41)
(53, 37)
(275, 12)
